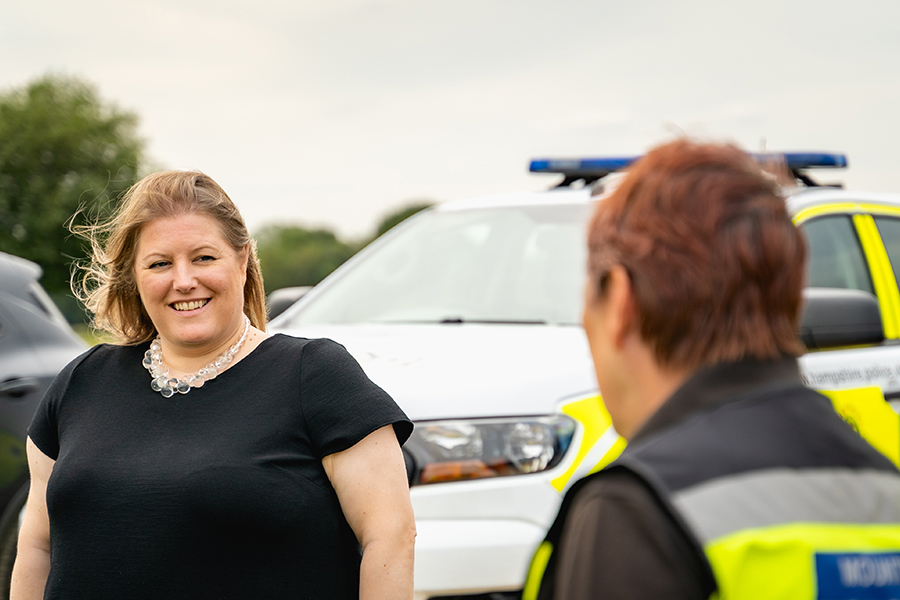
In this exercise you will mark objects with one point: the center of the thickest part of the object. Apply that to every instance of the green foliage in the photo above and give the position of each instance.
(398, 216)
(291, 255)
(61, 148)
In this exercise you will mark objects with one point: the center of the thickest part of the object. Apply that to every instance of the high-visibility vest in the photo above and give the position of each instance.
(782, 499)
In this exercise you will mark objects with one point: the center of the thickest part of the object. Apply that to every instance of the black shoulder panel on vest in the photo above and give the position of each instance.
(793, 427)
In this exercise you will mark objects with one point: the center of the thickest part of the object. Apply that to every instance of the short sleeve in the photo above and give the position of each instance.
(44, 428)
(340, 404)
(619, 539)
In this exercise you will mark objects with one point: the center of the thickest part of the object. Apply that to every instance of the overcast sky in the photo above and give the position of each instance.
(335, 112)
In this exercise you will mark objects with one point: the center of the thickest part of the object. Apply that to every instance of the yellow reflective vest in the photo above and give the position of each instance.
(783, 500)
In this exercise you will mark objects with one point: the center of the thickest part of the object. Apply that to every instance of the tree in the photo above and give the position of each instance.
(292, 255)
(61, 148)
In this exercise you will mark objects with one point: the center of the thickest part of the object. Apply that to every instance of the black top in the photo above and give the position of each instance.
(216, 494)
(619, 540)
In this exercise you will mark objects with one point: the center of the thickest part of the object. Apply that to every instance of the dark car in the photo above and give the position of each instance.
(282, 299)
(35, 343)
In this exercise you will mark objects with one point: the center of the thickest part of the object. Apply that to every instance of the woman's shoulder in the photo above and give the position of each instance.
(101, 357)
(100, 360)
(106, 355)
(317, 359)
(308, 348)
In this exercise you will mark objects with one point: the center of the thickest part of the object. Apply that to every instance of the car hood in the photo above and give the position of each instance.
(469, 370)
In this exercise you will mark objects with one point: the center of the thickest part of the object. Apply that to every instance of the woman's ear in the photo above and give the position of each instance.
(244, 259)
(622, 312)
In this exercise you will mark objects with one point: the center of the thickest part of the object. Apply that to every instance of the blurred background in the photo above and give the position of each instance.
(329, 121)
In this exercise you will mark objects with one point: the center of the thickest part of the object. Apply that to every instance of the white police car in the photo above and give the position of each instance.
(469, 316)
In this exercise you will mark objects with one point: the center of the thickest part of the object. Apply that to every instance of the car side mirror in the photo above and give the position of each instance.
(835, 317)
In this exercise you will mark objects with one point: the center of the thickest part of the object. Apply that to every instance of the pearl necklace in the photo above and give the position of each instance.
(167, 387)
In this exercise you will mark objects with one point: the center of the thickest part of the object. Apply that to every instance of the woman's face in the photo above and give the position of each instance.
(191, 282)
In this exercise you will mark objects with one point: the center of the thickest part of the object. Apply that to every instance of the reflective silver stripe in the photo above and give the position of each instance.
(779, 496)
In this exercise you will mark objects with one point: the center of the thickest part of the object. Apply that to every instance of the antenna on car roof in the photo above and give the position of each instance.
(797, 161)
(590, 170)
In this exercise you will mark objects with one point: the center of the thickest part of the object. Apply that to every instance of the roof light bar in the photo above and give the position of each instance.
(592, 169)
(587, 169)
(810, 160)
(588, 166)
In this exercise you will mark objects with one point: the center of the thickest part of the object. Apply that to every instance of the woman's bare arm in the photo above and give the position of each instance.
(371, 484)
(32, 566)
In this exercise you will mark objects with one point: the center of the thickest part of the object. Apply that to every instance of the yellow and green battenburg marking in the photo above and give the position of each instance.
(882, 273)
(596, 424)
(867, 412)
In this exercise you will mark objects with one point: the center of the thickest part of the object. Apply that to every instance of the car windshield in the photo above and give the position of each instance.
(498, 265)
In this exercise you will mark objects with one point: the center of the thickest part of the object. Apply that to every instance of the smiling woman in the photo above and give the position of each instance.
(267, 482)
(190, 281)
(153, 216)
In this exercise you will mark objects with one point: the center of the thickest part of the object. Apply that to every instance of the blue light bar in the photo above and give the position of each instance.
(597, 168)
(809, 160)
(593, 167)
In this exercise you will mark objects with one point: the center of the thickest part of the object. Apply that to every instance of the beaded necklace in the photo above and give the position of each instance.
(160, 382)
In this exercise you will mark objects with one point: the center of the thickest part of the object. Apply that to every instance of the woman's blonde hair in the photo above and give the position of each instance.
(106, 282)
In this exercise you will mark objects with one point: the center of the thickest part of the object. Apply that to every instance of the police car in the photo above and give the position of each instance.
(468, 314)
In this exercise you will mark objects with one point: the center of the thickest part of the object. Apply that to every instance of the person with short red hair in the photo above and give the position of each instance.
(738, 480)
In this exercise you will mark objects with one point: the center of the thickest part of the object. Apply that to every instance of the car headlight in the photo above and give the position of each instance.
(477, 448)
